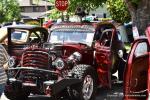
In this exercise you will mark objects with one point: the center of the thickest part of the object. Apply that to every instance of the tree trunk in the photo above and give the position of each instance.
(140, 14)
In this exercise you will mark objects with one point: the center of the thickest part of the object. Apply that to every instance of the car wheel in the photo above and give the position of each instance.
(86, 90)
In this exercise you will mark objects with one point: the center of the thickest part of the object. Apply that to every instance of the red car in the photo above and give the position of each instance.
(96, 50)
(76, 59)
(48, 24)
(137, 71)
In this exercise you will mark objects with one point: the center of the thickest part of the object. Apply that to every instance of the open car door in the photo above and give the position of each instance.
(103, 57)
(148, 79)
(137, 71)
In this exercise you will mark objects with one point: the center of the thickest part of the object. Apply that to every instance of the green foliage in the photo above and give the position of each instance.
(117, 8)
(118, 11)
(55, 14)
(135, 2)
(52, 1)
(87, 4)
(9, 10)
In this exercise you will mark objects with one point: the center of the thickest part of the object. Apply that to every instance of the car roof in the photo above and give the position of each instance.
(4, 30)
(23, 26)
(73, 25)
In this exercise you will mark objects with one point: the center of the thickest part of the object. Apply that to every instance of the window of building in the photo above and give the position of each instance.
(35, 9)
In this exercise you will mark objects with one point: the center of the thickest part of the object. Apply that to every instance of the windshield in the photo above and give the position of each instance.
(19, 35)
(72, 36)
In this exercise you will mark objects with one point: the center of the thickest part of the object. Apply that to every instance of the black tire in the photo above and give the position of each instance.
(17, 96)
(82, 72)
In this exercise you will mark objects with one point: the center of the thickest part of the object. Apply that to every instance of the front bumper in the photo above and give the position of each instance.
(55, 86)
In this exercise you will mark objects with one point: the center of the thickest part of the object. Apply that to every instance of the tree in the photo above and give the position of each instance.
(118, 11)
(140, 12)
(138, 9)
(9, 10)
(88, 4)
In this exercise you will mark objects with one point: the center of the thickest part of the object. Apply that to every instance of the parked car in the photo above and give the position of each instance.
(74, 61)
(48, 24)
(137, 72)
(18, 37)
(11, 23)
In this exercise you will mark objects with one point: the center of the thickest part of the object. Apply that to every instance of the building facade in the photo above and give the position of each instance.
(34, 8)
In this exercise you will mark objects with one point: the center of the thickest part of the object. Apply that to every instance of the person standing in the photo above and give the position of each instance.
(3, 67)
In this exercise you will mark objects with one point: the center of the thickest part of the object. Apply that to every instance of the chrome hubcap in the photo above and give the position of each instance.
(87, 89)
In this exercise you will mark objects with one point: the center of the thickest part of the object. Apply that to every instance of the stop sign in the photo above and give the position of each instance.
(61, 5)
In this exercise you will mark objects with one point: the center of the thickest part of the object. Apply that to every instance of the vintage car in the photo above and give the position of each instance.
(75, 60)
(21, 37)
(137, 70)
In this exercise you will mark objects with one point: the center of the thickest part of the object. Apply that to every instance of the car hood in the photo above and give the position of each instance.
(67, 49)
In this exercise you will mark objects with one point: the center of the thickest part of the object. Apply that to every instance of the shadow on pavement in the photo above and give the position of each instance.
(116, 93)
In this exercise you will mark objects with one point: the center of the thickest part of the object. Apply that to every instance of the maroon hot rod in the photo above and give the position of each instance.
(75, 60)
(18, 37)
(137, 71)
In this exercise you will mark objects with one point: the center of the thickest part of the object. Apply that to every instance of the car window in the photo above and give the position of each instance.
(72, 36)
(106, 37)
(119, 36)
(141, 49)
(35, 36)
(19, 35)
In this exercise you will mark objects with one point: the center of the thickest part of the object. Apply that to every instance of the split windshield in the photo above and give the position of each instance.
(72, 36)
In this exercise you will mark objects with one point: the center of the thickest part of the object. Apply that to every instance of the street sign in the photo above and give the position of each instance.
(61, 5)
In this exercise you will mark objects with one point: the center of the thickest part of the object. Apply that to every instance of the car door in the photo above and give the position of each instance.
(136, 71)
(17, 39)
(103, 57)
(148, 79)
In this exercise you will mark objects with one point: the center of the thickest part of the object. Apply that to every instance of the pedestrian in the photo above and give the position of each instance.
(3, 67)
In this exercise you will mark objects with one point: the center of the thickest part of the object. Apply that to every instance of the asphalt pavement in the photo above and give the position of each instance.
(116, 93)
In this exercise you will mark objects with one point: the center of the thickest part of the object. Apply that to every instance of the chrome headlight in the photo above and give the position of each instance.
(59, 63)
(75, 56)
(12, 61)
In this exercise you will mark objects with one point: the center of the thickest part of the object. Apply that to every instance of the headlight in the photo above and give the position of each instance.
(12, 61)
(75, 56)
(59, 63)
